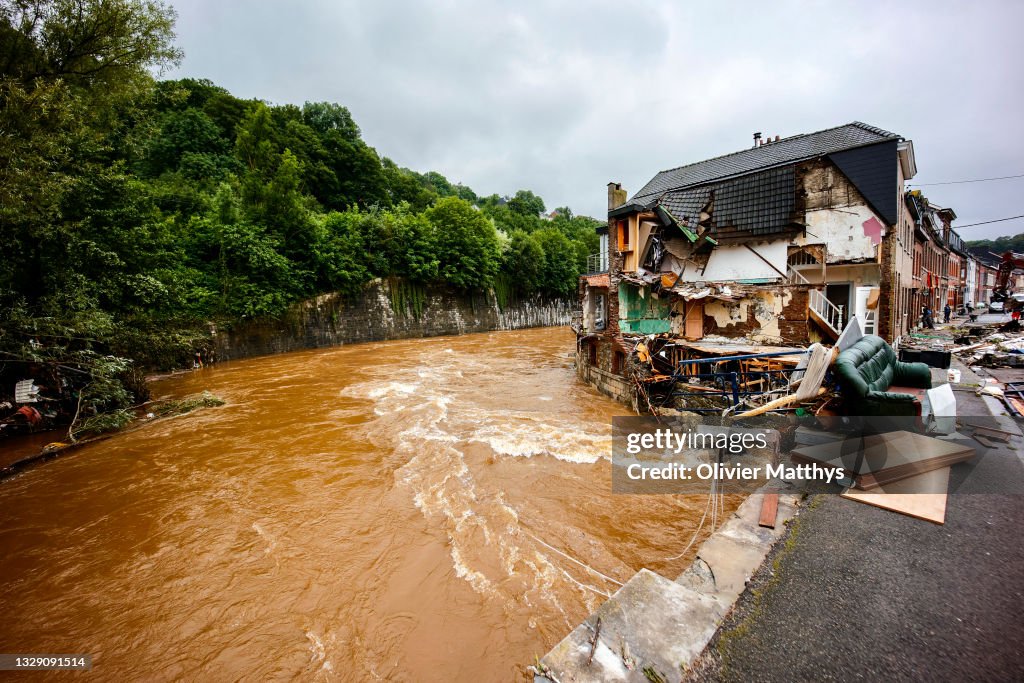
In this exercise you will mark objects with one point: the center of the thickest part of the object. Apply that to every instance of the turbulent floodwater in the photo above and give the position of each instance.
(384, 511)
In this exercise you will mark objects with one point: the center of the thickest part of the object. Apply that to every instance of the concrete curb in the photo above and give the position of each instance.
(653, 627)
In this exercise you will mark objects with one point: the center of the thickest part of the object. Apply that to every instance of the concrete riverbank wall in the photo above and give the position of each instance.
(387, 309)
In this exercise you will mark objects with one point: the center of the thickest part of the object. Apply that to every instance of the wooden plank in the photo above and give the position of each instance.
(994, 433)
(769, 509)
(922, 497)
(885, 458)
(1016, 404)
(986, 441)
(817, 365)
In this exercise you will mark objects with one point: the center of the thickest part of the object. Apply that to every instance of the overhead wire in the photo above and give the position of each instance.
(998, 220)
(973, 180)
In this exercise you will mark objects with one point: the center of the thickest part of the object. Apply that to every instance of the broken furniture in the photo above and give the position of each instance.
(874, 383)
(733, 378)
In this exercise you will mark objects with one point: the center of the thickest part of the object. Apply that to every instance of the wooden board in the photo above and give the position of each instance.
(693, 326)
(817, 365)
(769, 509)
(923, 496)
(885, 458)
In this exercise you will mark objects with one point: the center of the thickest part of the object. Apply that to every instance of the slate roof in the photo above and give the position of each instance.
(786, 151)
(685, 205)
(754, 204)
(758, 204)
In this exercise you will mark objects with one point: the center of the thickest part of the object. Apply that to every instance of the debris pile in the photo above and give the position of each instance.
(725, 376)
(993, 350)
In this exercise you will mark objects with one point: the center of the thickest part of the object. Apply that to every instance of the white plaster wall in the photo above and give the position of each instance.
(731, 262)
(842, 231)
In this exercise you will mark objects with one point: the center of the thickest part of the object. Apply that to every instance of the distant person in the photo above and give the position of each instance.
(927, 319)
(946, 312)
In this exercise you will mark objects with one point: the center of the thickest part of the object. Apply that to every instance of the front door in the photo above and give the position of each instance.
(868, 317)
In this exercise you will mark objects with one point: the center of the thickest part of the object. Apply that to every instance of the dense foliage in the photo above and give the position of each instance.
(997, 246)
(135, 212)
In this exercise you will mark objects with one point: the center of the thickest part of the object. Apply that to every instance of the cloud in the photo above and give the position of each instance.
(563, 97)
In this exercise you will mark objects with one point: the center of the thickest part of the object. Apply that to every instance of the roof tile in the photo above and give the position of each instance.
(788, 150)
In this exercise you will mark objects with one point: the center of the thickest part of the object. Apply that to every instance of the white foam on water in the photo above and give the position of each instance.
(478, 581)
(393, 388)
(270, 541)
(439, 410)
(563, 442)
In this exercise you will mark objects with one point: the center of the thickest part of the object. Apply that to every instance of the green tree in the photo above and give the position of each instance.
(560, 272)
(467, 244)
(526, 203)
(103, 45)
(523, 262)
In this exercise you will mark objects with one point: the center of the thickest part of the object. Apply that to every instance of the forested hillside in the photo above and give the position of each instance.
(999, 245)
(134, 211)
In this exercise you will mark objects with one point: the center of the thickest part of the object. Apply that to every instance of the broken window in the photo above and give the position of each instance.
(655, 254)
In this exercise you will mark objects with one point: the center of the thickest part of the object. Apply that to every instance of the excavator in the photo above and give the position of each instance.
(1008, 263)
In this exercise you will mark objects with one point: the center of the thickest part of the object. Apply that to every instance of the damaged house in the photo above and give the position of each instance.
(778, 244)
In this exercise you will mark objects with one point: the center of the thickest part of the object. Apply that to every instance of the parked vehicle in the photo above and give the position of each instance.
(995, 307)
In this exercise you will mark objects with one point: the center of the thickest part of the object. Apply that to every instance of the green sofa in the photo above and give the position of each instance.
(871, 379)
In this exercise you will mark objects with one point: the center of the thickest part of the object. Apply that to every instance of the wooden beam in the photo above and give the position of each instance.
(769, 510)
(770, 264)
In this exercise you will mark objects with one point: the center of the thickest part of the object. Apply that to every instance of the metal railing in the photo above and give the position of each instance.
(732, 378)
(595, 264)
(829, 313)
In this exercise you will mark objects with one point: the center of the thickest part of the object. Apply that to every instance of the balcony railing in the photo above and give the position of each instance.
(596, 264)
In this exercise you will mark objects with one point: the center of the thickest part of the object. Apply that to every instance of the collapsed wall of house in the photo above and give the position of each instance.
(776, 254)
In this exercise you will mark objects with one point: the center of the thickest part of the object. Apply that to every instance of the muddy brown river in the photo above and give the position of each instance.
(387, 511)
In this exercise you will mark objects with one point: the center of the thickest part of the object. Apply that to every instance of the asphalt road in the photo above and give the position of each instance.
(859, 593)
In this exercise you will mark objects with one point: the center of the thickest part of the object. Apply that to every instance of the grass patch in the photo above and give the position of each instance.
(728, 638)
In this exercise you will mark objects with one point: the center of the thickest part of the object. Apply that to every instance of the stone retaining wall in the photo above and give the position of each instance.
(331, 319)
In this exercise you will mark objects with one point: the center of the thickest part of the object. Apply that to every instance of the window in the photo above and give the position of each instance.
(592, 349)
(618, 361)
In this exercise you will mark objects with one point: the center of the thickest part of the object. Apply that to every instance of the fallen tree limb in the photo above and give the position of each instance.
(778, 403)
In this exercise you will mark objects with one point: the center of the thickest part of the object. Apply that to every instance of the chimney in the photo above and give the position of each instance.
(757, 139)
(616, 196)
(776, 138)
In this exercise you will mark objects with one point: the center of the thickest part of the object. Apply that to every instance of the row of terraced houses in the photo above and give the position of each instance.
(778, 244)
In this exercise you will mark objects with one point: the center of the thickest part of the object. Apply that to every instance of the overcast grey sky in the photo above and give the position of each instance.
(563, 97)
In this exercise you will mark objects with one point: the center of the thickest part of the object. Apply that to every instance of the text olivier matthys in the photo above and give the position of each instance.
(663, 440)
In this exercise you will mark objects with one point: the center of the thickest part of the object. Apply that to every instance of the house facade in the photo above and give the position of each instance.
(778, 244)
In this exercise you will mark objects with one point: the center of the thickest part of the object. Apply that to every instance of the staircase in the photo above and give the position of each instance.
(795, 277)
(828, 316)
